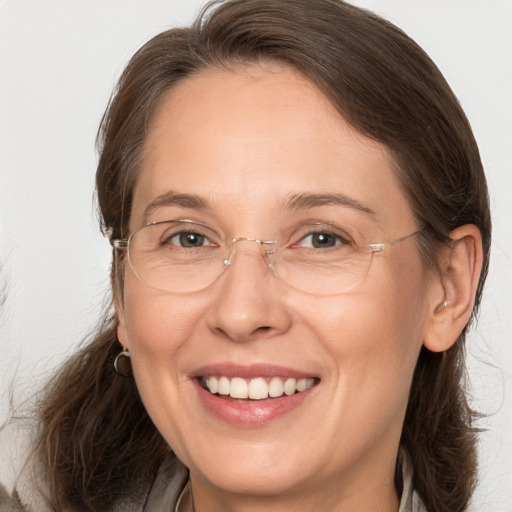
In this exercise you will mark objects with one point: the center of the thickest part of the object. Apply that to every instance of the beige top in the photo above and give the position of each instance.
(169, 486)
(162, 495)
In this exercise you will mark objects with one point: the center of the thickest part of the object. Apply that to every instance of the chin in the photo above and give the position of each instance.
(256, 478)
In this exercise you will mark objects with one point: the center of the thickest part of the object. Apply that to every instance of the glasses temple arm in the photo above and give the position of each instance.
(119, 244)
(381, 247)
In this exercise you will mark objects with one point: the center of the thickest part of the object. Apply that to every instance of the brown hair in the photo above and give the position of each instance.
(97, 442)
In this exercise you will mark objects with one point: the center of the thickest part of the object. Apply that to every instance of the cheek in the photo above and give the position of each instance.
(373, 337)
(157, 326)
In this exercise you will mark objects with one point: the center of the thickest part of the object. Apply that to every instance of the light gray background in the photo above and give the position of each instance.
(59, 61)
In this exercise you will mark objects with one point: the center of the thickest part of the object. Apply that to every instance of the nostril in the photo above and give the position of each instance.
(265, 330)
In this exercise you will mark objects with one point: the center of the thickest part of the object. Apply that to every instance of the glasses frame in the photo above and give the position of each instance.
(124, 243)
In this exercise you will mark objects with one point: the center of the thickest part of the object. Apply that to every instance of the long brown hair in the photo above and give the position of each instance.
(97, 442)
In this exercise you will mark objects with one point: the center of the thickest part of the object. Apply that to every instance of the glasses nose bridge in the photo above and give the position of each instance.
(266, 249)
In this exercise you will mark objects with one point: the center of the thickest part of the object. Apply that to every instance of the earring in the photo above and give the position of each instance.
(122, 363)
(442, 306)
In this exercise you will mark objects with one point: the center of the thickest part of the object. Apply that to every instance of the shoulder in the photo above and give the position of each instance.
(22, 481)
(23, 485)
(24, 488)
(7, 502)
(16, 441)
(410, 501)
(170, 480)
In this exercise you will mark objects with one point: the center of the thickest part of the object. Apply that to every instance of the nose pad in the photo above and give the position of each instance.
(270, 257)
(247, 304)
(265, 252)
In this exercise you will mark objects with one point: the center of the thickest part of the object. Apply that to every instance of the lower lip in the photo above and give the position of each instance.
(250, 412)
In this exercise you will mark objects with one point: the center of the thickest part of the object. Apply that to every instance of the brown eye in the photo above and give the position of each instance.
(188, 239)
(321, 240)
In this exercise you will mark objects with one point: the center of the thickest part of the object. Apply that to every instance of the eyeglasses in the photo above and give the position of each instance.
(187, 256)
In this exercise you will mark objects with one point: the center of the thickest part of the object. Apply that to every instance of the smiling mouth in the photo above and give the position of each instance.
(258, 388)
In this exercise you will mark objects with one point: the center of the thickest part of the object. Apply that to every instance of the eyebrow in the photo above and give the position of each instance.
(172, 198)
(307, 201)
(294, 202)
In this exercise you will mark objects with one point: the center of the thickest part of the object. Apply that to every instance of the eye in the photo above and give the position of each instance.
(321, 240)
(188, 239)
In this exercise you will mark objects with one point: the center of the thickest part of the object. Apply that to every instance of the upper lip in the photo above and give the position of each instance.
(249, 371)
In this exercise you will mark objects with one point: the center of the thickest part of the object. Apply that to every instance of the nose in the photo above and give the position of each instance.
(249, 301)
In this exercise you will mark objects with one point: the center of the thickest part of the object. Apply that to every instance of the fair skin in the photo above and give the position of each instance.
(245, 141)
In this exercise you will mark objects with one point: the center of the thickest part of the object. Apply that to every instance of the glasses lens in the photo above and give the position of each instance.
(324, 272)
(183, 256)
(176, 256)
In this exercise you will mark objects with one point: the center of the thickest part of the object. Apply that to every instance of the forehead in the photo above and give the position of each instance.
(247, 139)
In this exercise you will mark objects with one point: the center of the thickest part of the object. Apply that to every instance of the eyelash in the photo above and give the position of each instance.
(180, 234)
(339, 239)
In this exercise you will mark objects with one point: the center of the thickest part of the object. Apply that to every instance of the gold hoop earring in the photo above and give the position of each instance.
(122, 363)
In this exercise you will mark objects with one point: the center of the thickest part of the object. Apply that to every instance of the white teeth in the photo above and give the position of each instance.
(301, 384)
(212, 384)
(289, 387)
(239, 388)
(224, 386)
(257, 388)
(275, 387)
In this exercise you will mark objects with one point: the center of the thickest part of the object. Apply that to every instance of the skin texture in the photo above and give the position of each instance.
(245, 141)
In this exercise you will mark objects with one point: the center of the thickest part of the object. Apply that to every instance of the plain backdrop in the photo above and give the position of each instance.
(59, 61)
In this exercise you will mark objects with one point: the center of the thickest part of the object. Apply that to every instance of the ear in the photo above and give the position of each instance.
(453, 292)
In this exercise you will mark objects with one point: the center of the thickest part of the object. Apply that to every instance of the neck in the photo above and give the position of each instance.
(376, 494)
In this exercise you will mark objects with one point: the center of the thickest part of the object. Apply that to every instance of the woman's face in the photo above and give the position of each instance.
(248, 143)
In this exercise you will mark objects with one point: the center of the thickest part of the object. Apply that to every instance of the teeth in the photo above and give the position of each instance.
(213, 384)
(275, 387)
(289, 387)
(224, 386)
(301, 384)
(239, 388)
(257, 388)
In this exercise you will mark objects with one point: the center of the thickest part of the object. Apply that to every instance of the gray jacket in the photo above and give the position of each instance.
(161, 496)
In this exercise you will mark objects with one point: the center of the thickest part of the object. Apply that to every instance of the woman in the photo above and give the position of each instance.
(301, 234)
